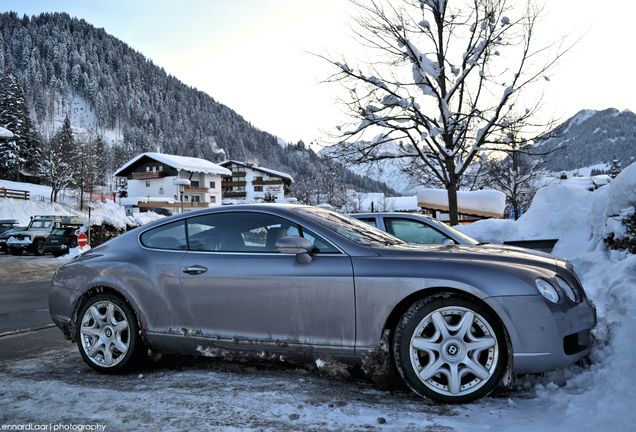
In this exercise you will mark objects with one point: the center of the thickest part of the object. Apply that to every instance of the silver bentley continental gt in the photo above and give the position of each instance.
(455, 320)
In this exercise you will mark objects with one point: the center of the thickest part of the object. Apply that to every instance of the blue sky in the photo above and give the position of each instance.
(252, 54)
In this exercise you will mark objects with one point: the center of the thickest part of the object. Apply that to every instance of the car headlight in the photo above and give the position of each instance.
(567, 289)
(547, 290)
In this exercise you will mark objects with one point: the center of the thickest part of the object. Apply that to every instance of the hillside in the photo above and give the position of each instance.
(591, 138)
(68, 67)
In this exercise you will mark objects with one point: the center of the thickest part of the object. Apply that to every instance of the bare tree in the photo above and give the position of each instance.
(440, 85)
(517, 175)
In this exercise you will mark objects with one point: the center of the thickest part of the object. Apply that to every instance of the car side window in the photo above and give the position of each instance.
(170, 236)
(413, 231)
(246, 232)
(370, 221)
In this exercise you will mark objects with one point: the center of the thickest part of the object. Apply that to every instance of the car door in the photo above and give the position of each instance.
(237, 287)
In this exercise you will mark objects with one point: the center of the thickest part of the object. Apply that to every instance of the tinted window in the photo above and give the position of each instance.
(245, 232)
(414, 231)
(370, 221)
(350, 228)
(169, 236)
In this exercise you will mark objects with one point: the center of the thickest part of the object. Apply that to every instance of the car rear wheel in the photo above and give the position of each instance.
(107, 334)
(450, 349)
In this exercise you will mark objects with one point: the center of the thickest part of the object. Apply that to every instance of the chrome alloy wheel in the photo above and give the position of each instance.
(454, 351)
(105, 334)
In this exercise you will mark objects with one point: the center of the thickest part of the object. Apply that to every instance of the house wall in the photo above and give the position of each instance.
(251, 194)
(164, 189)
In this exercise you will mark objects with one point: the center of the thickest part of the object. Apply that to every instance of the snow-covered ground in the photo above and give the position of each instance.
(186, 394)
(101, 212)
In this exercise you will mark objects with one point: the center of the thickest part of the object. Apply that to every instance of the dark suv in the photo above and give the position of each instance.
(61, 240)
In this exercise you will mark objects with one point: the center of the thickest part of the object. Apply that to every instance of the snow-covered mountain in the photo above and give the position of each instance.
(68, 67)
(591, 138)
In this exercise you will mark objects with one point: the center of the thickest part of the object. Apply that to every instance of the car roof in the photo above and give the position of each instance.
(396, 214)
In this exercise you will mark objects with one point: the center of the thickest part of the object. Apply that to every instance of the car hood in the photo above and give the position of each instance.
(487, 252)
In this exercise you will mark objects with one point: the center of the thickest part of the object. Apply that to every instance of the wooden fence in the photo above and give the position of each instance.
(14, 193)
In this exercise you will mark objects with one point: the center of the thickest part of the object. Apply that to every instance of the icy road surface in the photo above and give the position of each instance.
(182, 393)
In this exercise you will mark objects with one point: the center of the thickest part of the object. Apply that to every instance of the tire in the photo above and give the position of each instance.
(106, 323)
(38, 247)
(450, 349)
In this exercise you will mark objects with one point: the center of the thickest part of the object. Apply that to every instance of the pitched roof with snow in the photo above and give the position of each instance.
(259, 168)
(179, 163)
(483, 203)
(5, 133)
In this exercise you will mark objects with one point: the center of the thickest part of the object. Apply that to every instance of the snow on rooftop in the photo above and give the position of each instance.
(5, 133)
(191, 164)
(259, 168)
(486, 203)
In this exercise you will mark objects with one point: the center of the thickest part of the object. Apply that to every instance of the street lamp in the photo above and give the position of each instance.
(181, 183)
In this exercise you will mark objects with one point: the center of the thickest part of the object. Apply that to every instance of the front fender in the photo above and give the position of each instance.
(383, 285)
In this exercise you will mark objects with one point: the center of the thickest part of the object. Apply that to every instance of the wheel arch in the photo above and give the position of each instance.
(106, 289)
(401, 307)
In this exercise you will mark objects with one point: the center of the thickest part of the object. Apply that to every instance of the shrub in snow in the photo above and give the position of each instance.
(624, 237)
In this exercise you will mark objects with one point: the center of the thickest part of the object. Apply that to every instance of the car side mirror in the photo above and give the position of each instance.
(295, 245)
(449, 242)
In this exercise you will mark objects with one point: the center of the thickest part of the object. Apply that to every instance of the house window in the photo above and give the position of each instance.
(185, 198)
(147, 169)
(259, 178)
(147, 183)
(196, 198)
(161, 191)
(258, 188)
(160, 168)
(212, 199)
(194, 183)
(212, 185)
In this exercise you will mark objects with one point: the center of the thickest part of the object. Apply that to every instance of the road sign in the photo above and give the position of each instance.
(82, 240)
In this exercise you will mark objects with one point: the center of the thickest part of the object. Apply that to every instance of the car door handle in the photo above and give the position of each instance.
(195, 269)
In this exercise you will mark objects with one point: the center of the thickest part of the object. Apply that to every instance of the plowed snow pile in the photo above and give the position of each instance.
(604, 397)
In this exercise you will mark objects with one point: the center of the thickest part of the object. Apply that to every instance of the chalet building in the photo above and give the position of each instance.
(155, 181)
(252, 183)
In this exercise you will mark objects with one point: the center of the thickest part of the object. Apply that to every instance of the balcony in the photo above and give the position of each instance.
(234, 194)
(147, 175)
(172, 205)
(234, 183)
(193, 189)
(267, 182)
(238, 173)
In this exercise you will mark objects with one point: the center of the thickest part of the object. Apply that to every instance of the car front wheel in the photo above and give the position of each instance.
(107, 334)
(450, 349)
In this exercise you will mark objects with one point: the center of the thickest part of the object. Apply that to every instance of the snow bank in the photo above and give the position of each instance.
(34, 189)
(488, 203)
(22, 210)
(601, 398)
(115, 215)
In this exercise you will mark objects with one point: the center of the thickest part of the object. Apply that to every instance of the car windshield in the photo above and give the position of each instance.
(40, 224)
(351, 228)
(453, 231)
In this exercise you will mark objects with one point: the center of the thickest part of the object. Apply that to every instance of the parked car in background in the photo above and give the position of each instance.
(297, 280)
(5, 236)
(7, 224)
(61, 240)
(415, 228)
(39, 229)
